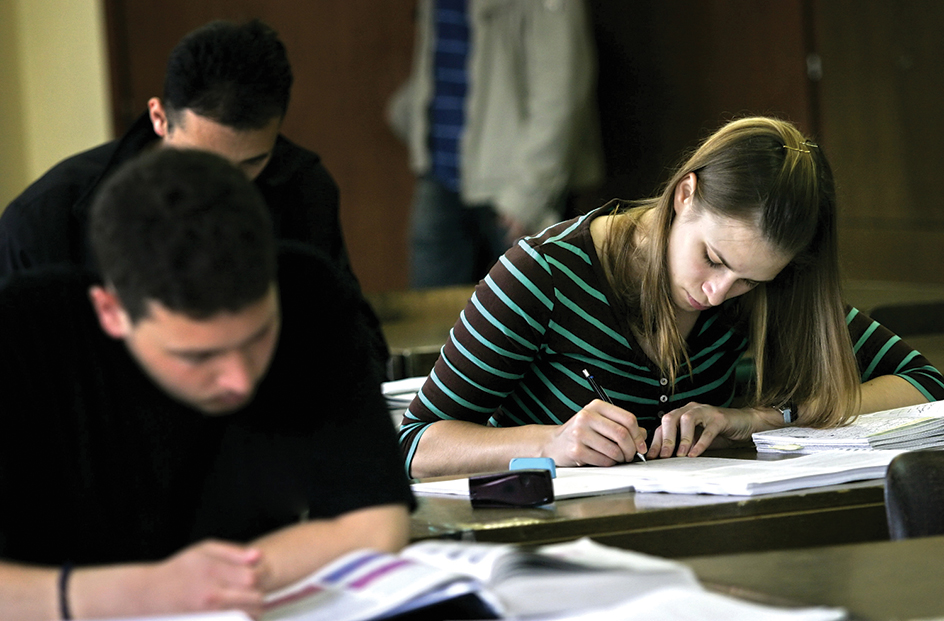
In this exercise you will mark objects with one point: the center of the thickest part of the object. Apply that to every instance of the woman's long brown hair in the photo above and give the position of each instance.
(765, 172)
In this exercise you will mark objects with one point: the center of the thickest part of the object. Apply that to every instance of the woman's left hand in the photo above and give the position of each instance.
(691, 429)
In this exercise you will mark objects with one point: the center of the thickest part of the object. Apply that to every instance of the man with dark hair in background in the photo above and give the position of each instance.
(193, 426)
(226, 90)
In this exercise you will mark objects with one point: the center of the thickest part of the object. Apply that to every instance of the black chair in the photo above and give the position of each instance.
(914, 495)
(911, 318)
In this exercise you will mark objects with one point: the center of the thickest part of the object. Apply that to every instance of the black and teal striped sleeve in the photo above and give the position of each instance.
(489, 349)
(881, 352)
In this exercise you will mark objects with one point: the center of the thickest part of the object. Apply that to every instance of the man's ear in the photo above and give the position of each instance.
(158, 116)
(111, 314)
(685, 193)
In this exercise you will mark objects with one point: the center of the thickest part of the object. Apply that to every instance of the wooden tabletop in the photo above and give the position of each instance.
(419, 318)
(875, 580)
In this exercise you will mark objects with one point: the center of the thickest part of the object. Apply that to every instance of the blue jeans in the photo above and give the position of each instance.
(451, 243)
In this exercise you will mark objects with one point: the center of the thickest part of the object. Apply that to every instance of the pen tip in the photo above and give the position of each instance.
(586, 373)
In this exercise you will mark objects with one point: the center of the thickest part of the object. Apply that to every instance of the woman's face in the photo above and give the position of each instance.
(713, 258)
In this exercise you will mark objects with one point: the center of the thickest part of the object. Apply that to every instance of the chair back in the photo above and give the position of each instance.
(914, 495)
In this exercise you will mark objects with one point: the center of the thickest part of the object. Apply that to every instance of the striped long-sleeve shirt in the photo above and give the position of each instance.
(543, 314)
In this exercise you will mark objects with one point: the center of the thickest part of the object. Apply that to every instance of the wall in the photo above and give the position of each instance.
(13, 173)
(882, 89)
(670, 70)
(348, 57)
(54, 100)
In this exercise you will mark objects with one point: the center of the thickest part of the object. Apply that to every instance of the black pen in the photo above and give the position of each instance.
(605, 397)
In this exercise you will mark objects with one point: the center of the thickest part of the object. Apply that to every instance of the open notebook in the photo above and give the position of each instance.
(702, 475)
(913, 427)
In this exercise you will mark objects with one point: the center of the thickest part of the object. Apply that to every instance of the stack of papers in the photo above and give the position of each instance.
(399, 394)
(913, 427)
(703, 475)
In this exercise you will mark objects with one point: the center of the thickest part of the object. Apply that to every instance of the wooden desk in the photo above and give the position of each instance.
(416, 325)
(672, 525)
(877, 580)
(667, 525)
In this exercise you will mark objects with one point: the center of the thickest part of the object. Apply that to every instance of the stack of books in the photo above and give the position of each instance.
(399, 394)
(909, 428)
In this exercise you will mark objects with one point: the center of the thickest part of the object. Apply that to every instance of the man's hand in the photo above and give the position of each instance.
(601, 434)
(210, 575)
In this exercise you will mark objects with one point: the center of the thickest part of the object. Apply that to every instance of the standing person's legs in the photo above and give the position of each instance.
(442, 238)
(492, 239)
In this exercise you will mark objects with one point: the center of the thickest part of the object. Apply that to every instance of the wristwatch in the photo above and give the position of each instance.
(788, 411)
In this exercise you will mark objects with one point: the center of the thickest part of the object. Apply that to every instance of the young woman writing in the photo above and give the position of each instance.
(659, 300)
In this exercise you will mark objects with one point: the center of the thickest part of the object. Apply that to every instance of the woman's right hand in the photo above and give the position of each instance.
(601, 434)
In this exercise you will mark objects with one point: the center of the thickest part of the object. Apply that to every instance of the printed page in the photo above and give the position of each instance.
(653, 467)
(639, 476)
(363, 585)
(493, 563)
(711, 475)
(478, 560)
(556, 578)
(750, 477)
(588, 480)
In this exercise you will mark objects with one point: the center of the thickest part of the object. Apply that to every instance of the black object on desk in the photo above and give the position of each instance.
(513, 488)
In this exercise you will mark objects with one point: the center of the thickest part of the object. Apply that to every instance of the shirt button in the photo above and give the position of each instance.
(663, 399)
(660, 413)
(663, 381)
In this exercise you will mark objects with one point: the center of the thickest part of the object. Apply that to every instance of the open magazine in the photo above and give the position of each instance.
(441, 579)
(474, 581)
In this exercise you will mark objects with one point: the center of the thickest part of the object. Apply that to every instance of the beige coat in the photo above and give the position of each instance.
(532, 131)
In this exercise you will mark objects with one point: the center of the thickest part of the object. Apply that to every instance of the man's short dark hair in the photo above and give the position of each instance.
(235, 74)
(184, 228)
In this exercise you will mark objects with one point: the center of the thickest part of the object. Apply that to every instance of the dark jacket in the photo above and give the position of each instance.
(47, 224)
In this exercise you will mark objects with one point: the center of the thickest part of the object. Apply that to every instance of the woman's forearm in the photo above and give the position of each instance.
(459, 447)
(888, 392)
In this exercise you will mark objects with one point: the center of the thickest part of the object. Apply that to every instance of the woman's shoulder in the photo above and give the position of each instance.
(560, 259)
(567, 240)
